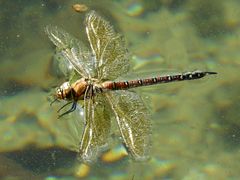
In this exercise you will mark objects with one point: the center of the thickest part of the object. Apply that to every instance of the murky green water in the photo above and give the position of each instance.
(195, 125)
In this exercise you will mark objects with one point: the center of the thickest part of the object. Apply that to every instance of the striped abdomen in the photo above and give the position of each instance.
(155, 80)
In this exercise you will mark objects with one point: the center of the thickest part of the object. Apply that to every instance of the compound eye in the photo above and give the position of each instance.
(59, 93)
(63, 91)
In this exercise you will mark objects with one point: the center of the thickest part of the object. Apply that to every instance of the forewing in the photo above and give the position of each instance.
(133, 120)
(108, 47)
(97, 127)
(72, 50)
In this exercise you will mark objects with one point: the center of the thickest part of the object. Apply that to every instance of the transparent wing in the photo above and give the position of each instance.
(72, 50)
(97, 126)
(108, 47)
(133, 120)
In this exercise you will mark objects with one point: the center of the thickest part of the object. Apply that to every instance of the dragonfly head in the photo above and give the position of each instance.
(64, 91)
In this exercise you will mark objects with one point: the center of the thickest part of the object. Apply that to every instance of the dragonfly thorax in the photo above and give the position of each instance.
(74, 91)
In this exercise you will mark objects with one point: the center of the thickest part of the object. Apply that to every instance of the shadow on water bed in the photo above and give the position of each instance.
(43, 161)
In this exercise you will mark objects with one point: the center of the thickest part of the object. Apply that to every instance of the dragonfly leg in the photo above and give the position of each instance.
(73, 108)
(51, 103)
(64, 106)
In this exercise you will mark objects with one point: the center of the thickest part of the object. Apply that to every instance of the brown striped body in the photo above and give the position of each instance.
(110, 85)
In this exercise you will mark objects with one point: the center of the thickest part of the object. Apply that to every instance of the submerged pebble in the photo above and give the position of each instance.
(134, 9)
(114, 154)
(80, 7)
(82, 170)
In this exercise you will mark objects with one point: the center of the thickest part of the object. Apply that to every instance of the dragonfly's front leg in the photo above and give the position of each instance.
(73, 108)
(64, 106)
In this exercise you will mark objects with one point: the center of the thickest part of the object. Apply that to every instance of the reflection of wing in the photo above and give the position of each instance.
(133, 121)
(70, 129)
(107, 46)
(64, 66)
(97, 127)
(72, 50)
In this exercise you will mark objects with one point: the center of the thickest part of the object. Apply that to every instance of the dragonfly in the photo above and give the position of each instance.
(95, 69)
